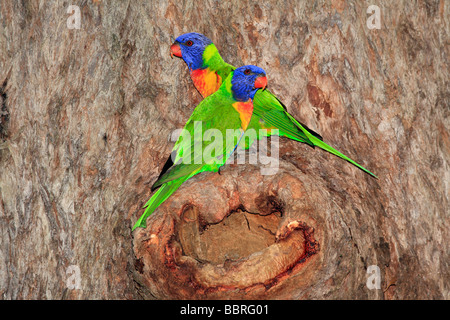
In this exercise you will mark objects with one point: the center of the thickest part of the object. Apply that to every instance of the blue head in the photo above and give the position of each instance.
(190, 47)
(246, 81)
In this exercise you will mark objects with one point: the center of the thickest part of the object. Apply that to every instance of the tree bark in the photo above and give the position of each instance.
(85, 120)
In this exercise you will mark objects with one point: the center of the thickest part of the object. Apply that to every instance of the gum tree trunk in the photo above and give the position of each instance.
(85, 119)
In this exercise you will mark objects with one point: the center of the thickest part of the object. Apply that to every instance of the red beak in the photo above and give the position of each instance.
(175, 50)
(261, 82)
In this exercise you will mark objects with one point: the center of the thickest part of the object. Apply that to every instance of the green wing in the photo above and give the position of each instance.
(215, 146)
(273, 113)
(204, 144)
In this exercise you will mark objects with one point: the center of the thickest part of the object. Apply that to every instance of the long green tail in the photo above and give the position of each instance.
(159, 197)
(319, 143)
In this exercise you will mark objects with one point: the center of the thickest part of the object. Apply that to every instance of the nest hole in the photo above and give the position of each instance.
(236, 237)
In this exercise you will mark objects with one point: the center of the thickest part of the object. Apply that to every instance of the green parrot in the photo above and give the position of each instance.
(207, 70)
(211, 134)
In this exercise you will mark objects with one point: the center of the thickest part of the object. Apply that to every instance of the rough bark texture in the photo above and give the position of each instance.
(85, 117)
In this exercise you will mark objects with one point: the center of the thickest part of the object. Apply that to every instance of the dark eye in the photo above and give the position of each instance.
(247, 72)
(189, 43)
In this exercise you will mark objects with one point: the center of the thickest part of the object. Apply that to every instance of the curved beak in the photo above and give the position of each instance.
(175, 50)
(261, 82)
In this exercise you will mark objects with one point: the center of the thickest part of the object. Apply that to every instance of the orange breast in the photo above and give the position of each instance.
(245, 110)
(206, 81)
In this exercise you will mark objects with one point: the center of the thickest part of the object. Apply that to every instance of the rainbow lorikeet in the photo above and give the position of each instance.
(211, 134)
(207, 70)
